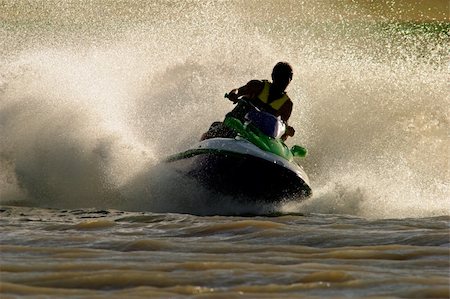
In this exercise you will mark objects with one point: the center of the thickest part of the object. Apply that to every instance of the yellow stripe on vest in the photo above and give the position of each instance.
(264, 97)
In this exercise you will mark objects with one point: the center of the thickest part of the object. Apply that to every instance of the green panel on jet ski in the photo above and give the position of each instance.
(264, 142)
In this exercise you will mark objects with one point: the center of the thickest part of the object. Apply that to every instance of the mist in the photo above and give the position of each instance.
(91, 103)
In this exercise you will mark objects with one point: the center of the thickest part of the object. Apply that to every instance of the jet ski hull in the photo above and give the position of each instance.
(240, 169)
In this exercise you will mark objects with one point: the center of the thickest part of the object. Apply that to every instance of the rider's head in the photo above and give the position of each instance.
(282, 75)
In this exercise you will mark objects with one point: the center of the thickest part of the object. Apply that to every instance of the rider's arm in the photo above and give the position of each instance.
(285, 113)
(286, 110)
(250, 90)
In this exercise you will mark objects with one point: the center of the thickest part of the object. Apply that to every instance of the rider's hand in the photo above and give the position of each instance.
(232, 96)
(290, 131)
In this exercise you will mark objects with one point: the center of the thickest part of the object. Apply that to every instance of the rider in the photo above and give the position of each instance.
(267, 96)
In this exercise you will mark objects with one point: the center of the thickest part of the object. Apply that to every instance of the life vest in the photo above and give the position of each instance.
(275, 104)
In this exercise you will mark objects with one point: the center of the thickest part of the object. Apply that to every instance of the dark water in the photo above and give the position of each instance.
(93, 94)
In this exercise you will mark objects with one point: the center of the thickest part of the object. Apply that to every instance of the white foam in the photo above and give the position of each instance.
(84, 120)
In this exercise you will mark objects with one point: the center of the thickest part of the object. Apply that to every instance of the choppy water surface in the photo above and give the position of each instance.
(101, 253)
(94, 94)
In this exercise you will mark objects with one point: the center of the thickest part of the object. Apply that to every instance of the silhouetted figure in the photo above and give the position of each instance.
(265, 95)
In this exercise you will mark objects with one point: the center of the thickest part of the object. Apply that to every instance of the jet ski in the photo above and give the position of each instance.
(252, 164)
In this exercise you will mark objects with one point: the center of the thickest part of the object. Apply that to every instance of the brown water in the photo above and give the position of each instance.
(114, 254)
(94, 94)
